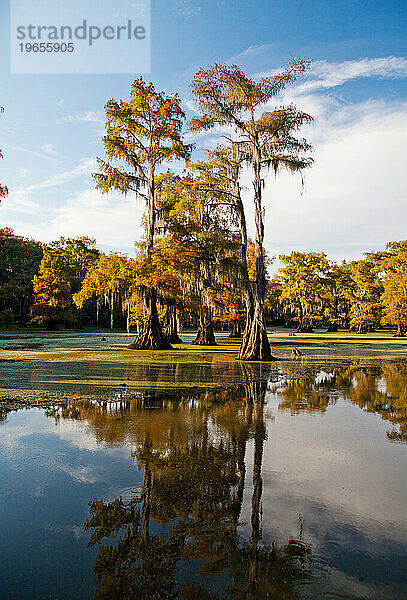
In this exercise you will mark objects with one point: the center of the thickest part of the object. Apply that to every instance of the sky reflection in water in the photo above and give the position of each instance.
(288, 488)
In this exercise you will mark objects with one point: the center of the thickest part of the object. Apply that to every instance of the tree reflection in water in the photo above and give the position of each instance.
(380, 389)
(179, 536)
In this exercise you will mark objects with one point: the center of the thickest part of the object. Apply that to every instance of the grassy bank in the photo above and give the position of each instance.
(21, 345)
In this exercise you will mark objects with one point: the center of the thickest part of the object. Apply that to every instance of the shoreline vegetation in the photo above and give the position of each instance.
(120, 382)
(196, 265)
(28, 343)
(204, 417)
(57, 367)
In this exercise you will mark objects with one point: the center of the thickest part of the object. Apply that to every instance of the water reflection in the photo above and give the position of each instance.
(277, 486)
(380, 389)
(178, 537)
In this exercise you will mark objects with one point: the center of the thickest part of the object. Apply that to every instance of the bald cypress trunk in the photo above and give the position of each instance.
(170, 328)
(152, 337)
(248, 324)
(255, 344)
(205, 335)
(236, 330)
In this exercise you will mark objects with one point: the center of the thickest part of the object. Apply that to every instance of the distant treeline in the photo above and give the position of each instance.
(70, 283)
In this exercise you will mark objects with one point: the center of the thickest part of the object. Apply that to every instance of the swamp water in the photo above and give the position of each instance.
(258, 482)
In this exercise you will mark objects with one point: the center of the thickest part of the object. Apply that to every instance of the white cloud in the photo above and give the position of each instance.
(85, 167)
(49, 150)
(46, 151)
(325, 75)
(89, 116)
(191, 105)
(113, 219)
(355, 196)
(24, 172)
(15, 206)
(250, 51)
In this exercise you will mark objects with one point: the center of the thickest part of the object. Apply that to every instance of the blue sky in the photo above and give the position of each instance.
(355, 196)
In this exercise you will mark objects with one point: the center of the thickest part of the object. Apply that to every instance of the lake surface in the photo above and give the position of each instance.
(270, 484)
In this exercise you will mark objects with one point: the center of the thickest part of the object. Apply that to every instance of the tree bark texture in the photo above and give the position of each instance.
(152, 337)
(205, 335)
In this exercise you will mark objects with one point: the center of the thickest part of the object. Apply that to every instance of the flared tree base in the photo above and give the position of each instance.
(205, 335)
(152, 338)
(170, 327)
(204, 340)
(236, 332)
(173, 338)
(255, 345)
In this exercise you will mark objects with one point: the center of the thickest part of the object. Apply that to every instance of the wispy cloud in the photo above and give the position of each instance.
(49, 150)
(114, 220)
(45, 151)
(89, 116)
(85, 167)
(250, 51)
(191, 105)
(325, 75)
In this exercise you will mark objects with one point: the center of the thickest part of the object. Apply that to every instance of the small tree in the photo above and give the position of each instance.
(110, 279)
(228, 97)
(52, 304)
(304, 279)
(364, 294)
(61, 271)
(19, 261)
(336, 296)
(141, 134)
(198, 236)
(394, 297)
